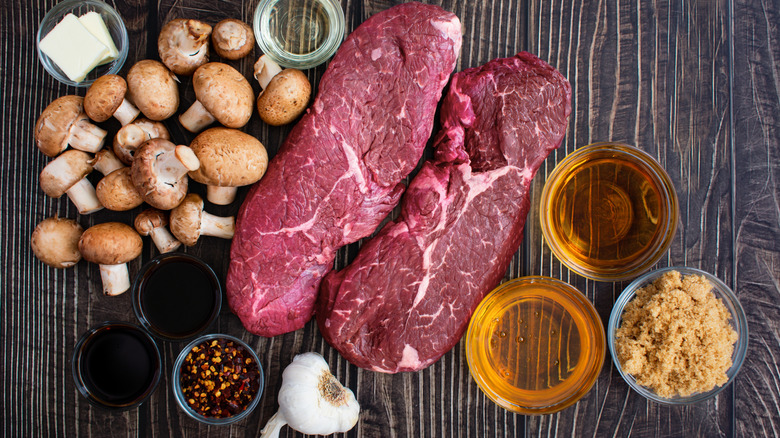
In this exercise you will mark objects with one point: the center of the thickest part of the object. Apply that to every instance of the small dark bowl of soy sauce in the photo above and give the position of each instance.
(176, 296)
(116, 365)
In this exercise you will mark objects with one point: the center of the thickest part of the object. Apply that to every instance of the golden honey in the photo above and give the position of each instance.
(608, 211)
(535, 345)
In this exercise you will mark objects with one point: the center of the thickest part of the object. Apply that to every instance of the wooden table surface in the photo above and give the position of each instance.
(694, 83)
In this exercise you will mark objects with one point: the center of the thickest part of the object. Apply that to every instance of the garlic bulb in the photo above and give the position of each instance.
(312, 400)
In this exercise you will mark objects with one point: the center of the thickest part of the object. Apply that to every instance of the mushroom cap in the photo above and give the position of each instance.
(148, 220)
(151, 174)
(185, 219)
(225, 93)
(55, 242)
(131, 136)
(52, 129)
(183, 45)
(285, 98)
(152, 88)
(228, 158)
(110, 243)
(233, 39)
(116, 191)
(64, 171)
(104, 97)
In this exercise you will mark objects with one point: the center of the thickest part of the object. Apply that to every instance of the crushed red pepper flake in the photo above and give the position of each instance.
(228, 368)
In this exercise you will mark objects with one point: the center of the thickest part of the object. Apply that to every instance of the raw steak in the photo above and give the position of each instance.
(407, 297)
(339, 171)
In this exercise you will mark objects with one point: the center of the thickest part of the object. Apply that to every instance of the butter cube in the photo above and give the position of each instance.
(73, 48)
(95, 24)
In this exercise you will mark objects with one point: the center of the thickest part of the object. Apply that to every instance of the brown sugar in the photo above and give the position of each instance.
(675, 337)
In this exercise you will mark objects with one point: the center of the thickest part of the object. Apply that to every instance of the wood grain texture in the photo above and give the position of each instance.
(695, 84)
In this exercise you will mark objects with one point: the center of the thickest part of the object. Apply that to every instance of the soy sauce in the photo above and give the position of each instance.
(177, 296)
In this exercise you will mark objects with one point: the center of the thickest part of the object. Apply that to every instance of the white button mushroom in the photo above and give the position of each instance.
(159, 172)
(106, 98)
(233, 39)
(67, 174)
(152, 87)
(184, 45)
(116, 191)
(133, 135)
(152, 222)
(111, 245)
(228, 159)
(285, 93)
(223, 94)
(64, 122)
(189, 222)
(106, 162)
(55, 242)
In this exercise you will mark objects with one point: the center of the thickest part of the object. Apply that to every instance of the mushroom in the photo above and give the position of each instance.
(55, 242)
(189, 221)
(285, 93)
(159, 172)
(116, 191)
(222, 94)
(67, 174)
(111, 245)
(152, 87)
(228, 159)
(64, 122)
(233, 39)
(184, 45)
(105, 162)
(132, 136)
(152, 222)
(106, 98)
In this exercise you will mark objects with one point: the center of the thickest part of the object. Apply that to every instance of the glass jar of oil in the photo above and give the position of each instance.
(535, 345)
(609, 211)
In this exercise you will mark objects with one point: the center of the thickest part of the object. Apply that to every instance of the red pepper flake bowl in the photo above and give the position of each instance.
(217, 379)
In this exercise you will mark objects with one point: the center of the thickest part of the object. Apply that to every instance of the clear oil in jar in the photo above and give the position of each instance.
(298, 27)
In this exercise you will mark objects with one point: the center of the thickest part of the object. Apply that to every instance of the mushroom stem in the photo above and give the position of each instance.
(126, 113)
(106, 162)
(221, 195)
(164, 240)
(116, 279)
(265, 70)
(85, 136)
(196, 117)
(187, 158)
(83, 196)
(222, 227)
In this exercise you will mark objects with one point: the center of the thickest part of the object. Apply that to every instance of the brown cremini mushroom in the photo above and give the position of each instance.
(106, 162)
(64, 122)
(233, 39)
(183, 45)
(223, 94)
(133, 135)
(153, 89)
(67, 174)
(55, 242)
(284, 97)
(116, 191)
(111, 245)
(159, 172)
(228, 159)
(153, 222)
(189, 221)
(106, 98)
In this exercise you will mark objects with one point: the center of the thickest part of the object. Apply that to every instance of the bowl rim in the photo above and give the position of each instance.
(720, 290)
(179, 396)
(662, 179)
(62, 8)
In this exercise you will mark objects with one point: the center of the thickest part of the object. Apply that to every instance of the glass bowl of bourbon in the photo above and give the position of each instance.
(535, 345)
(609, 211)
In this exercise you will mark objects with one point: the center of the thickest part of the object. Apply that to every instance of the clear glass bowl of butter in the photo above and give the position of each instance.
(81, 40)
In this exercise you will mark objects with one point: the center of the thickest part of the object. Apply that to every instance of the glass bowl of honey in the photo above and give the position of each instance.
(535, 345)
(609, 211)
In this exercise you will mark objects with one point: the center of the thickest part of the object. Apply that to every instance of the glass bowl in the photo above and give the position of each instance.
(609, 211)
(721, 291)
(317, 29)
(535, 345)
(114, 23)
(179, 395)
